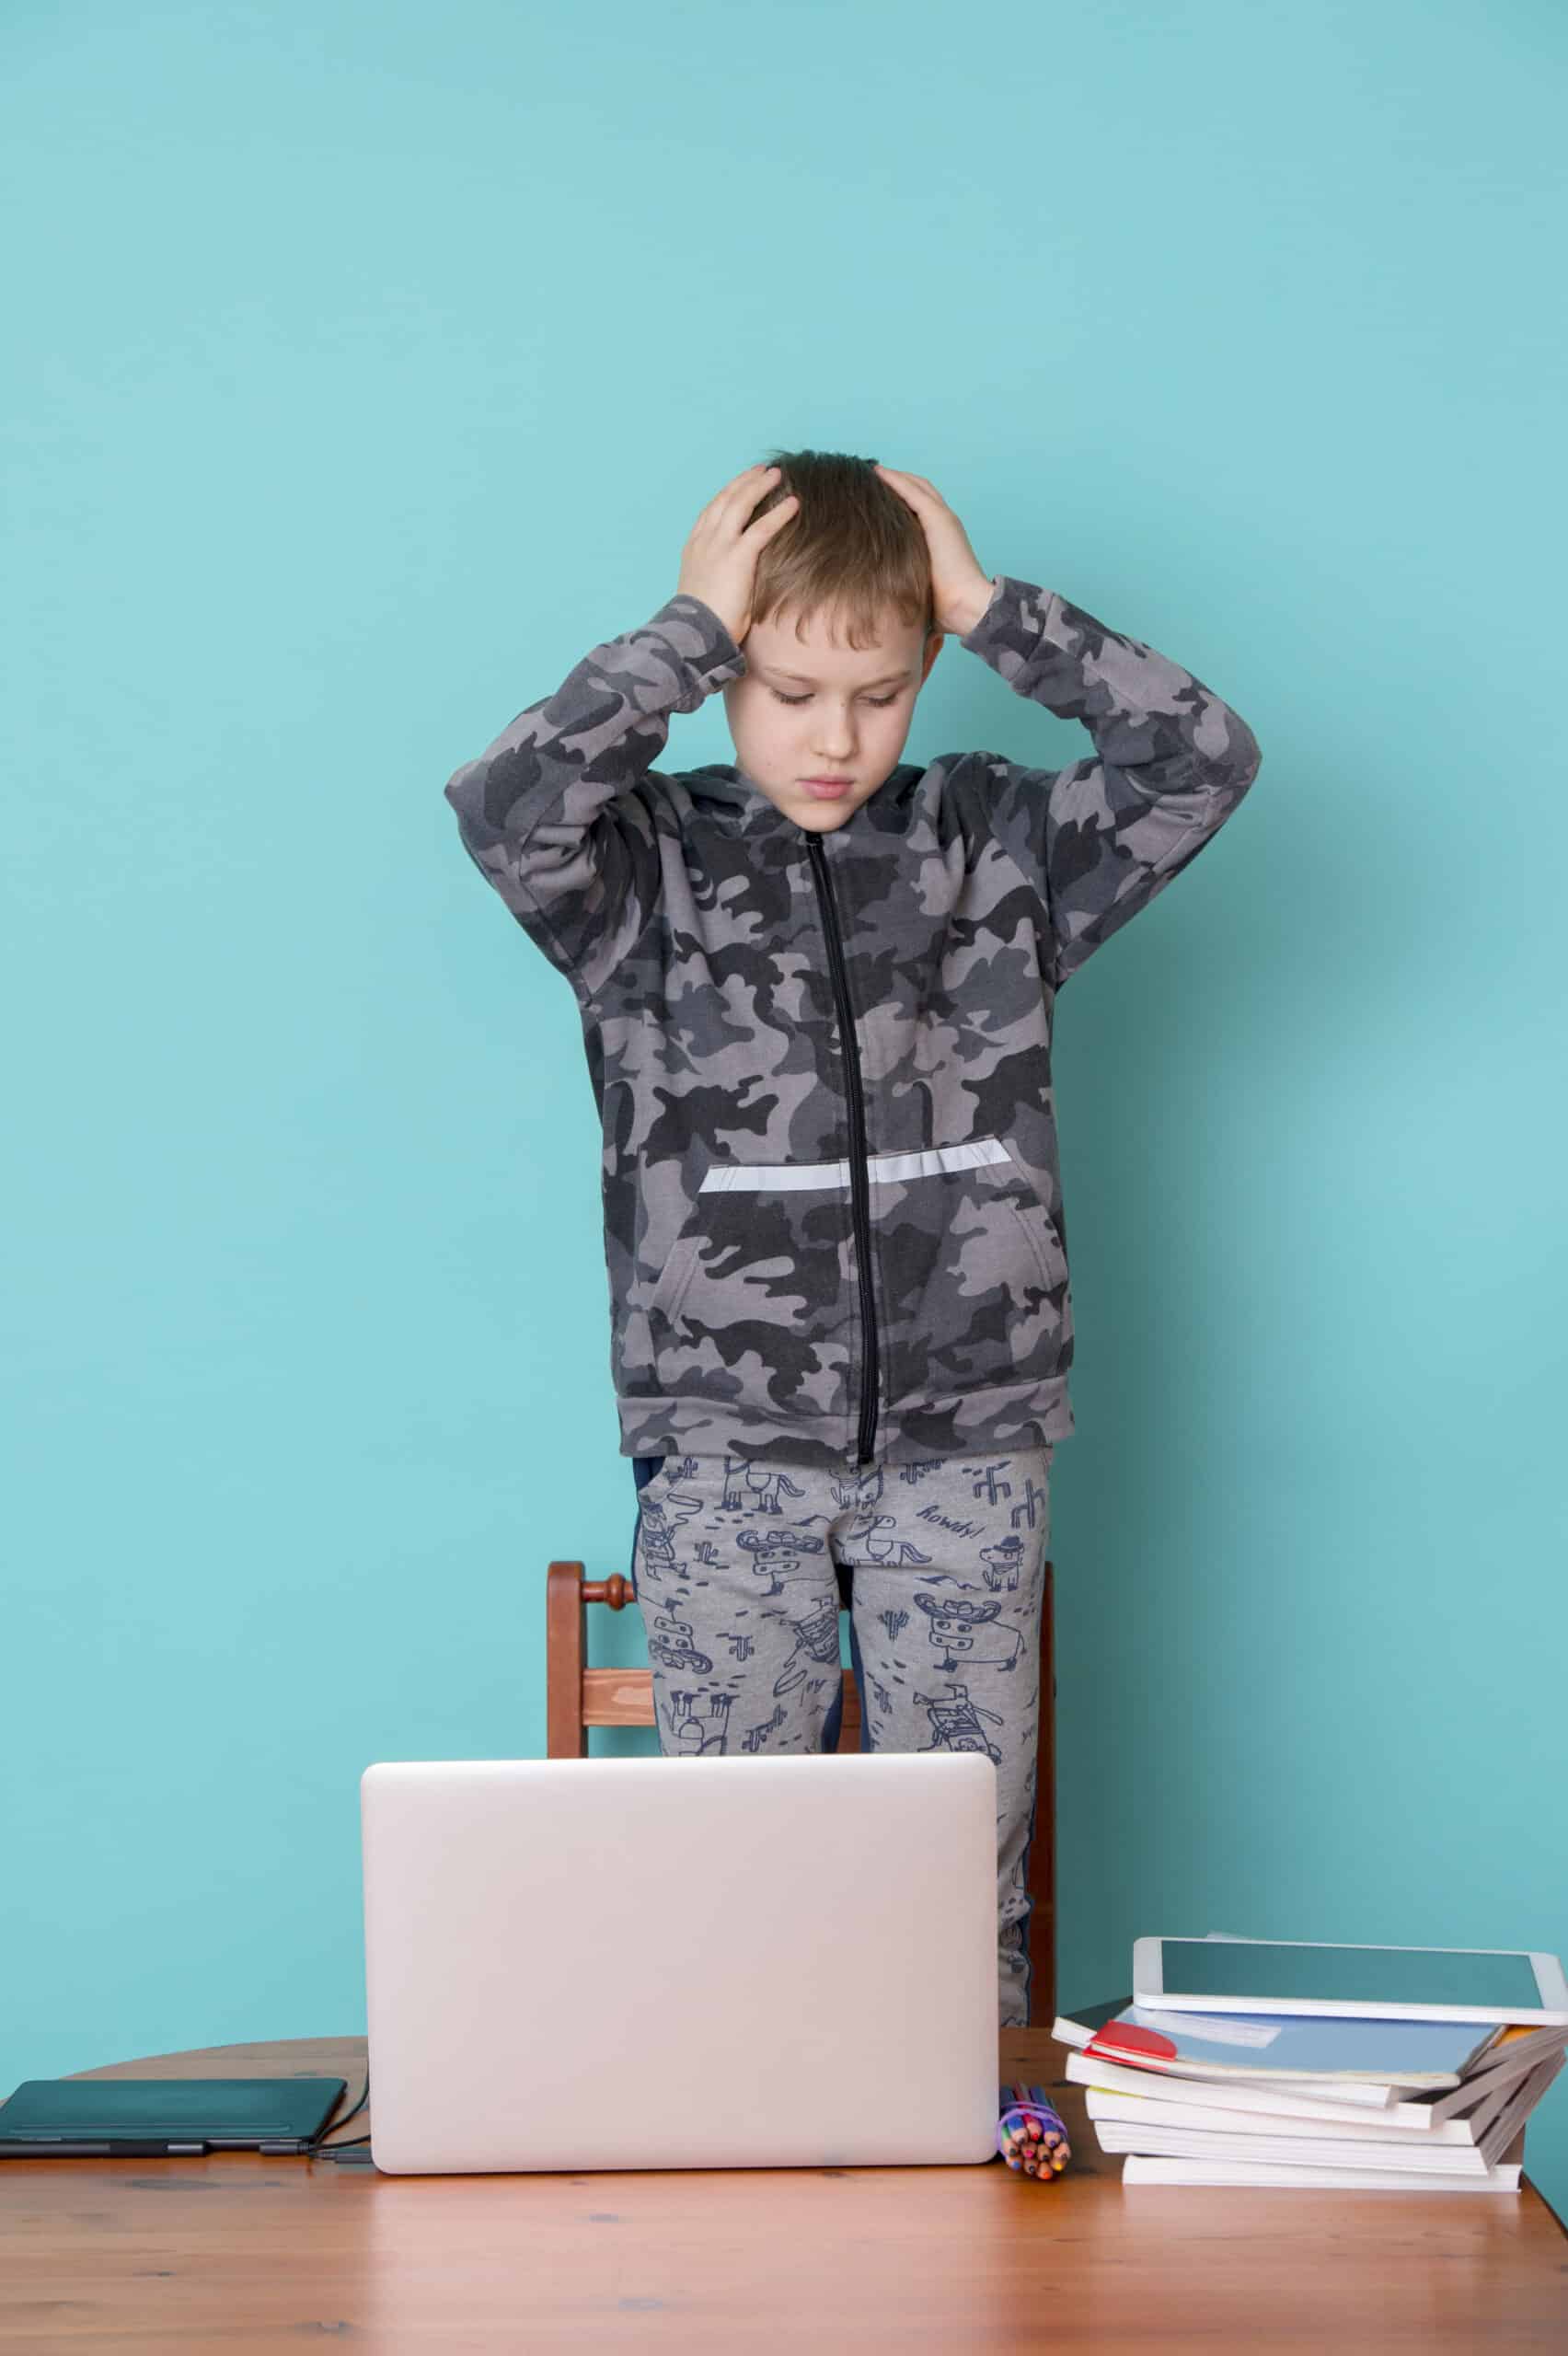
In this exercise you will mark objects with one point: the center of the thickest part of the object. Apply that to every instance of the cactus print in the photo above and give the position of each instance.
(741, 1568)
(835, 1236)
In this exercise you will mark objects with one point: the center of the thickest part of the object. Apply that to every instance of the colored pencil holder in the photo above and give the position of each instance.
(1031, 2133)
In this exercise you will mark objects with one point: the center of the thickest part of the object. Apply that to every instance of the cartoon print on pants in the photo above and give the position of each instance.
(883, 1550)
(780, 1554)
(986, 1483)
(962, 1630)
(863, 1490)
(1031, 1505)
(816, 1638)
(671, 1644)
(1002, 1562)
(663, 1521)
(752, 1488)
(955, 1723)
(698, 1730)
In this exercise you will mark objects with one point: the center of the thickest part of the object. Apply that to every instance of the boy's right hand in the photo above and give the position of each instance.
(718, 560)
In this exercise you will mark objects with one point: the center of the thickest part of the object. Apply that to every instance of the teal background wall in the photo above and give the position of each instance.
(371, 363)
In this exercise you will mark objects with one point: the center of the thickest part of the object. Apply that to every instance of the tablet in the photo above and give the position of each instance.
(63, 2117)
(1216, 1975)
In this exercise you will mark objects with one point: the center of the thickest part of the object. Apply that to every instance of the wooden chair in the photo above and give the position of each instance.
(578, 1697)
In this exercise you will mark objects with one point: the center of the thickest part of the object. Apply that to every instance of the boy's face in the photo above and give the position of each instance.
(807, 709)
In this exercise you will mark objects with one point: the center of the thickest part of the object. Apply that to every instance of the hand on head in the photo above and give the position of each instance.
(960, 590)
(718, 560)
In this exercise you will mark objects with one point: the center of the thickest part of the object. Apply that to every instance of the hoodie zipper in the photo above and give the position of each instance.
(859, 1190)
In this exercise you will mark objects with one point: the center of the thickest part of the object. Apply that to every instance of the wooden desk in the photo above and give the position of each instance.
(242, 2253)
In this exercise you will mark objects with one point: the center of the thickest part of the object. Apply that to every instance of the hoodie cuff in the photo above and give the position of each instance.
(1013, 625)
(705, 654)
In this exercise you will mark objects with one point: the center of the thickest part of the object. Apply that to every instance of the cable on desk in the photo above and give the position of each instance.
(320, 2149)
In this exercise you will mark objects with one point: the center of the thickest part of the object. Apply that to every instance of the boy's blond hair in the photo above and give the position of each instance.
(855, 551)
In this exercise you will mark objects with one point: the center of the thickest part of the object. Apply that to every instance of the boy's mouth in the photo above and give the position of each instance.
(828, 789)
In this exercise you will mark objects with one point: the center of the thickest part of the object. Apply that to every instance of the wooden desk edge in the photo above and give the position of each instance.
(1033, 2054)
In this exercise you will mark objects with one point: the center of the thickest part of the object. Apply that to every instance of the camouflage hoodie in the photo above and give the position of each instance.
(833, 1209)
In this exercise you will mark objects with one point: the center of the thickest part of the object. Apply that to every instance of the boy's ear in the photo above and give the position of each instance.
(933, 648)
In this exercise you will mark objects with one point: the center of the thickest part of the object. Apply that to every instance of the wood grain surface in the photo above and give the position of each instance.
(238, 2252)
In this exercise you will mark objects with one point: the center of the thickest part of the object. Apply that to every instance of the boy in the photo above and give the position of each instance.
(817, 990)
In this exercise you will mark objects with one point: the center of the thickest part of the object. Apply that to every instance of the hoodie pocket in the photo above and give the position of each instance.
(978, 1273)
(753, 1304)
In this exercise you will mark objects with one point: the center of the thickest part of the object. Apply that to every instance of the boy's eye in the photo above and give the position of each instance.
(879, 701)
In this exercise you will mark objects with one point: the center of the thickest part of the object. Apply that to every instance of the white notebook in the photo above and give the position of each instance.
(1229, 2157)
(1505, 2178)
(1456, 2117)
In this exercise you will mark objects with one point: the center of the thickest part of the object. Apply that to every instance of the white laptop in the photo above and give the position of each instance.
(779, 1961)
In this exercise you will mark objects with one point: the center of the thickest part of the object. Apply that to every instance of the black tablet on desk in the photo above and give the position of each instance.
(63, 2117)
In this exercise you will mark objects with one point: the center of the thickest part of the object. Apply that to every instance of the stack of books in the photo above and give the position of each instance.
(1374, 2103)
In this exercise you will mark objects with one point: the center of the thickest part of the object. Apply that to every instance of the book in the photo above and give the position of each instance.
(1368, 2060)
(1345, 2102)
(1455, 2111)
(1246, 2101)
(1521, 2042)
(1138, 2169)
(1151, 2126)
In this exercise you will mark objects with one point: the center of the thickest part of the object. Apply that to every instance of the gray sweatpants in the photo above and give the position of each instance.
(740, 1567)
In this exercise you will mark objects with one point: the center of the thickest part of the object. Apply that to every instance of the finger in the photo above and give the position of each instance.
(915, 487)
(776, 517)
(904, 475)
(751, 491)
(747, 484)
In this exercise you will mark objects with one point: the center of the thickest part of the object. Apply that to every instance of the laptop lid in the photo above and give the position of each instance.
(665, 1963)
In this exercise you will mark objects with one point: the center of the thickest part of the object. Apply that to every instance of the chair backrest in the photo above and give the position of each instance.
(578, 1697)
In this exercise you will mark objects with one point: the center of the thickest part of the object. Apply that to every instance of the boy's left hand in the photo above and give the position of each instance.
(960, 590)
